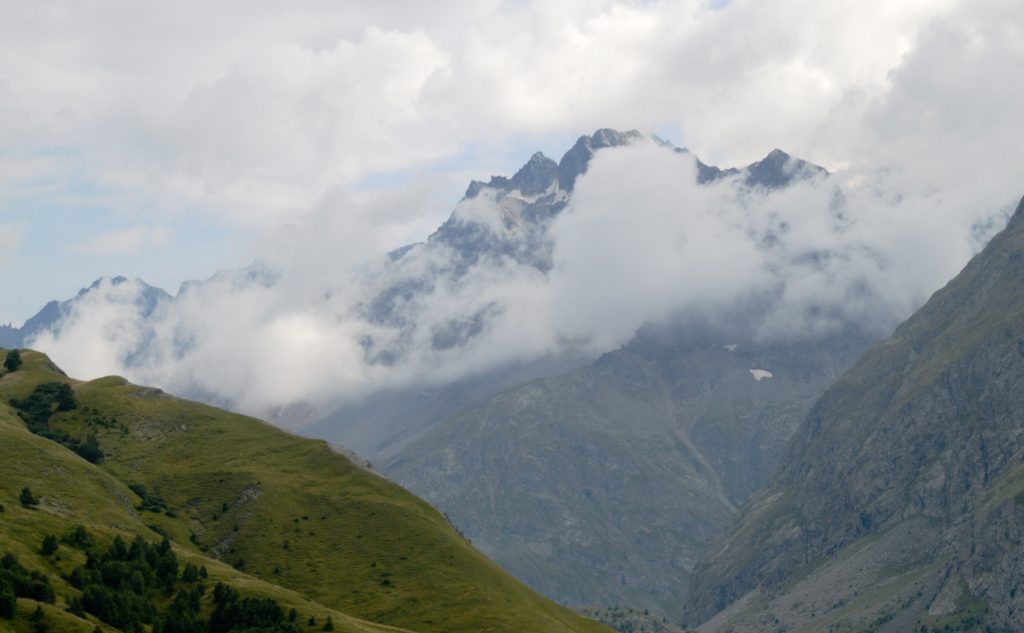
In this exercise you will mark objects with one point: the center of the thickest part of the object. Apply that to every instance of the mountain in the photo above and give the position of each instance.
(900, 503)
(509, 229)
(502, 228)
(605, 484)
(275, 516)
(51, 315)
(519, 457)
(400, 305)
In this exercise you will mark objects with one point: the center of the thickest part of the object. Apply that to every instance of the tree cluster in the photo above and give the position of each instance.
(151, 502)
(118, 585)
(125, 585)
(234, 614)
(18, 582)
(46, 400)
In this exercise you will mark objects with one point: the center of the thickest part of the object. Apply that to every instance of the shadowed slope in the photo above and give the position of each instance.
(901, 502)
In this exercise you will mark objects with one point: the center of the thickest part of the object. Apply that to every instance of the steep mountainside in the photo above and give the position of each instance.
(517, 215)
(901, 501)
(603, 485)
(272, 514)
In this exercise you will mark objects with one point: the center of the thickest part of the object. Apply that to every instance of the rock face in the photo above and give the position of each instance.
(901, 499)
(501, 223)
(604, 485)
(600, 484)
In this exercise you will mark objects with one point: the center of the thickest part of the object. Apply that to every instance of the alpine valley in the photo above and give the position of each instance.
(714, 470)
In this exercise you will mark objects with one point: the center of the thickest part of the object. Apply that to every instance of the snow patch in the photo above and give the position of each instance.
(761, 374)
(515, 194)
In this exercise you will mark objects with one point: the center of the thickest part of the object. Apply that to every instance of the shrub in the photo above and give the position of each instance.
(13, 360)
(8, 605)
(28, 499)
(79, 538)
(49, 545)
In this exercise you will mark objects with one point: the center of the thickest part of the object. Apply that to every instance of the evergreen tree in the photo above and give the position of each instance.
(89, 450)
(190, 573)
(28, 499)
(13, 360)
(167, 569)
(8, 604)
(49, 545)
(79, 537)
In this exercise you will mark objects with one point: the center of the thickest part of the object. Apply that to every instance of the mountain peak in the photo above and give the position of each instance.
(535, 176)
(540, 171)
(779, 169)
(574, 163)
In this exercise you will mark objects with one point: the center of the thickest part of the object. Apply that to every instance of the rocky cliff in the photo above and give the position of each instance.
(901, 500)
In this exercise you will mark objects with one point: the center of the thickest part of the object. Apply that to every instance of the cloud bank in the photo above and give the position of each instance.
(640, 241)
(276, 125)
(254, 115)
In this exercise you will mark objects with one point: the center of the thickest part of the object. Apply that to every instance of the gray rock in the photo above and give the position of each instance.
(927, 429)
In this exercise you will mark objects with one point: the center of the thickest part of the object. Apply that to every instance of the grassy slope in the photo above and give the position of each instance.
(297, 514)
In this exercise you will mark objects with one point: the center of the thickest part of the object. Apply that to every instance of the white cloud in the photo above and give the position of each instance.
(104, 328)
(256, 112)
(639, 242)
(127, 241)
(272, 122)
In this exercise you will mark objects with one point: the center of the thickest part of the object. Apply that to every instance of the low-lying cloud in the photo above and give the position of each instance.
(915, 110)
(640, 241)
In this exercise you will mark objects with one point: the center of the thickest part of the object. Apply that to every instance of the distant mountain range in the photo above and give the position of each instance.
(700, 471)
(598, 481)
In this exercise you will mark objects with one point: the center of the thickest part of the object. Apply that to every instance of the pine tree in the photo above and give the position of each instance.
(28, 499)
(13, 360)
(49, 545)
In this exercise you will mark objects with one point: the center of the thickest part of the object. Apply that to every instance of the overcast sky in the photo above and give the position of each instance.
(170, 141)
(162, 140)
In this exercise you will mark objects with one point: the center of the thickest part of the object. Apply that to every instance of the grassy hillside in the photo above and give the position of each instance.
(270, 513)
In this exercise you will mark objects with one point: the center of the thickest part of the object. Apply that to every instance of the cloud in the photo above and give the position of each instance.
(126, 241)
(640, 242)
(257, 113)
(10, 241)
(274, 124)
(103, 330)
